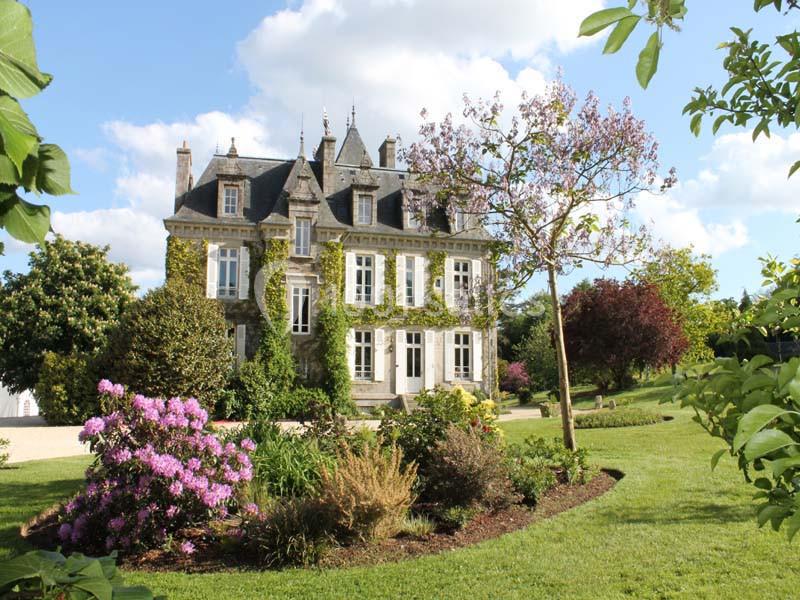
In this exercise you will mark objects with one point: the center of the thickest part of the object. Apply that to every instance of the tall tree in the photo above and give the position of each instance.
(66, 302)
(25, 161)
(613, 328)
(762, 79)
(553, 187)
(686, 282)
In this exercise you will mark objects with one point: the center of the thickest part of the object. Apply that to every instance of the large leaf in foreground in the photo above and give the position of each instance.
(25, 221)
(19, 73)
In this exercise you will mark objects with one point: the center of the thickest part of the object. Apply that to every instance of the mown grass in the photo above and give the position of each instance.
(671, 528)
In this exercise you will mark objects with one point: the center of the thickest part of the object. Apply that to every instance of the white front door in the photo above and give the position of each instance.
(414, 364)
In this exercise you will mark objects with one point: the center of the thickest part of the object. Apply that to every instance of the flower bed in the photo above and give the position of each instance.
(619, 417)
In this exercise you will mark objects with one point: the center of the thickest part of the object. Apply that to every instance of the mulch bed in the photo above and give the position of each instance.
(211, 556)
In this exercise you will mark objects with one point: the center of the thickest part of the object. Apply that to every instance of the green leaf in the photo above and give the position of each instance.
(770, 511)
(25, 221)
(754, 421)
(602, 19)
(756, 382)
(18, 133)
(766, 441)
(648, 61)
(694, 125)
(780, 465)
(98, 586)
(794, 389)
(19, 73)
(54, 173)
(793, 525)
(715, 459)
(762, 127)
(794, 168)
(620, 33)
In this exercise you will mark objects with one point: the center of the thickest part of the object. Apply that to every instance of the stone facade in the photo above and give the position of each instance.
(239, 203)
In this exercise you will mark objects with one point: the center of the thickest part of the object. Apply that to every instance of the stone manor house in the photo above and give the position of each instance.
(241, 203)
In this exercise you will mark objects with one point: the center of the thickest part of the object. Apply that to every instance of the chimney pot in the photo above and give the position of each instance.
(387, 153)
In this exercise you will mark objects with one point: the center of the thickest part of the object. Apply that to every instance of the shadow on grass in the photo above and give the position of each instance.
(694, 513)
(22, 501)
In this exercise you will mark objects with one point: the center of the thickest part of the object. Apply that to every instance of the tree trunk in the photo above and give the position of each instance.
(561, 358)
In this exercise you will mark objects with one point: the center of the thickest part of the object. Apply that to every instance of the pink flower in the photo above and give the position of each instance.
(104, 386)
(91, 428)
(187, 548)
(64, 532)
(116, 524)
(176, 488)
(248, 445)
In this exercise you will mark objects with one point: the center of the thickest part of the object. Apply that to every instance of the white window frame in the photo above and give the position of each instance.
(462, 359)
(409, 282)
(364, 359)
(227, 268)
(364, 291)
(365, 209)
(230, 194)
(412, 220)
(459, 220)
(301, 314)
(462, 275)
(302, 236)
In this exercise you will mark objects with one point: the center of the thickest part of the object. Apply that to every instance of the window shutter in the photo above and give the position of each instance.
(477, 355)
(380, 267)
(419, 281)
(244, 272)
(212, 270)
(448, 282)
(427, 359)
(400, 280)
(475, 278)
(378, 366)
(449, 356)
(400, 361)
(241, 339)
(351, 352)
(349, 277)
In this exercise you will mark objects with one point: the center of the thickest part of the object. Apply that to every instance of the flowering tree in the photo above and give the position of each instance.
(553, 187)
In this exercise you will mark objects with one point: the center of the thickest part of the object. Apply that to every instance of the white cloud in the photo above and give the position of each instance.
(397, 56)
(96, 158)
(747, 176)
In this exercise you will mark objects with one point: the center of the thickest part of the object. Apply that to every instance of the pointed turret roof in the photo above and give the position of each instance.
(353, 151)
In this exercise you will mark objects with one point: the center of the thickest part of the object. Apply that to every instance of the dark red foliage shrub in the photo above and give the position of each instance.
(613, 328)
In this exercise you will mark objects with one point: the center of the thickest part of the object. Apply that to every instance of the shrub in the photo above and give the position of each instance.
(369, 493)
(67, 388)
(284, 464)
(332, 327)
(299, 403)
(4, 443)
(289, 532)
(247, 394)
(621, 417)
(516, 378)
(275, 352)
(157, 471)
(455, 517)
(417, 433)
(531, 477)
(40, 574)
(569, 466)
(468, 470)
(173, 341)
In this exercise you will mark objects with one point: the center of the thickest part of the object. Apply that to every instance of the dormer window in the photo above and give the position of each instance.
(230, 206)
(364, 216)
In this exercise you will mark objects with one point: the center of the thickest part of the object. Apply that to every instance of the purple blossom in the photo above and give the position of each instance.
(187, 548)
(91, 428)
(65, 532)
(248, 445)
(176, 488)
(104, 386)
(116, 524)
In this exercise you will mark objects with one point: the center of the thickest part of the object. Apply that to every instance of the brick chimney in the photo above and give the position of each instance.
(183, 174)
(386, 153)
(326, 155)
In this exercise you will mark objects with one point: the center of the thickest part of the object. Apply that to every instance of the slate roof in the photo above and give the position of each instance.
(353, 151)
(271, 181)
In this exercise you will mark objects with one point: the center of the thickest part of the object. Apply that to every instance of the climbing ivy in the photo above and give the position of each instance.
(390, 279)
(331, 263)
(275, 345)
(186, 261)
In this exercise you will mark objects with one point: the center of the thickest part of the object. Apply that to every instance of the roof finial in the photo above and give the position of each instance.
(354, 112)
(302, 152)
(347, 121)
(232, 150)
(326, 124)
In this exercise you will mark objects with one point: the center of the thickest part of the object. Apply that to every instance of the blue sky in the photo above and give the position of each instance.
(134, 79)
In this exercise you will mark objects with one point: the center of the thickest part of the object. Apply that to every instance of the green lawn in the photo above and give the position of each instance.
(670, 529)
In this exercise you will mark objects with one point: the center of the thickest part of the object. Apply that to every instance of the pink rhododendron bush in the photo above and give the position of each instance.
(158, 470)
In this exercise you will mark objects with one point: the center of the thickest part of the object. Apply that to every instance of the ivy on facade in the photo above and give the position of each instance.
(275, 345)
(186, 261)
